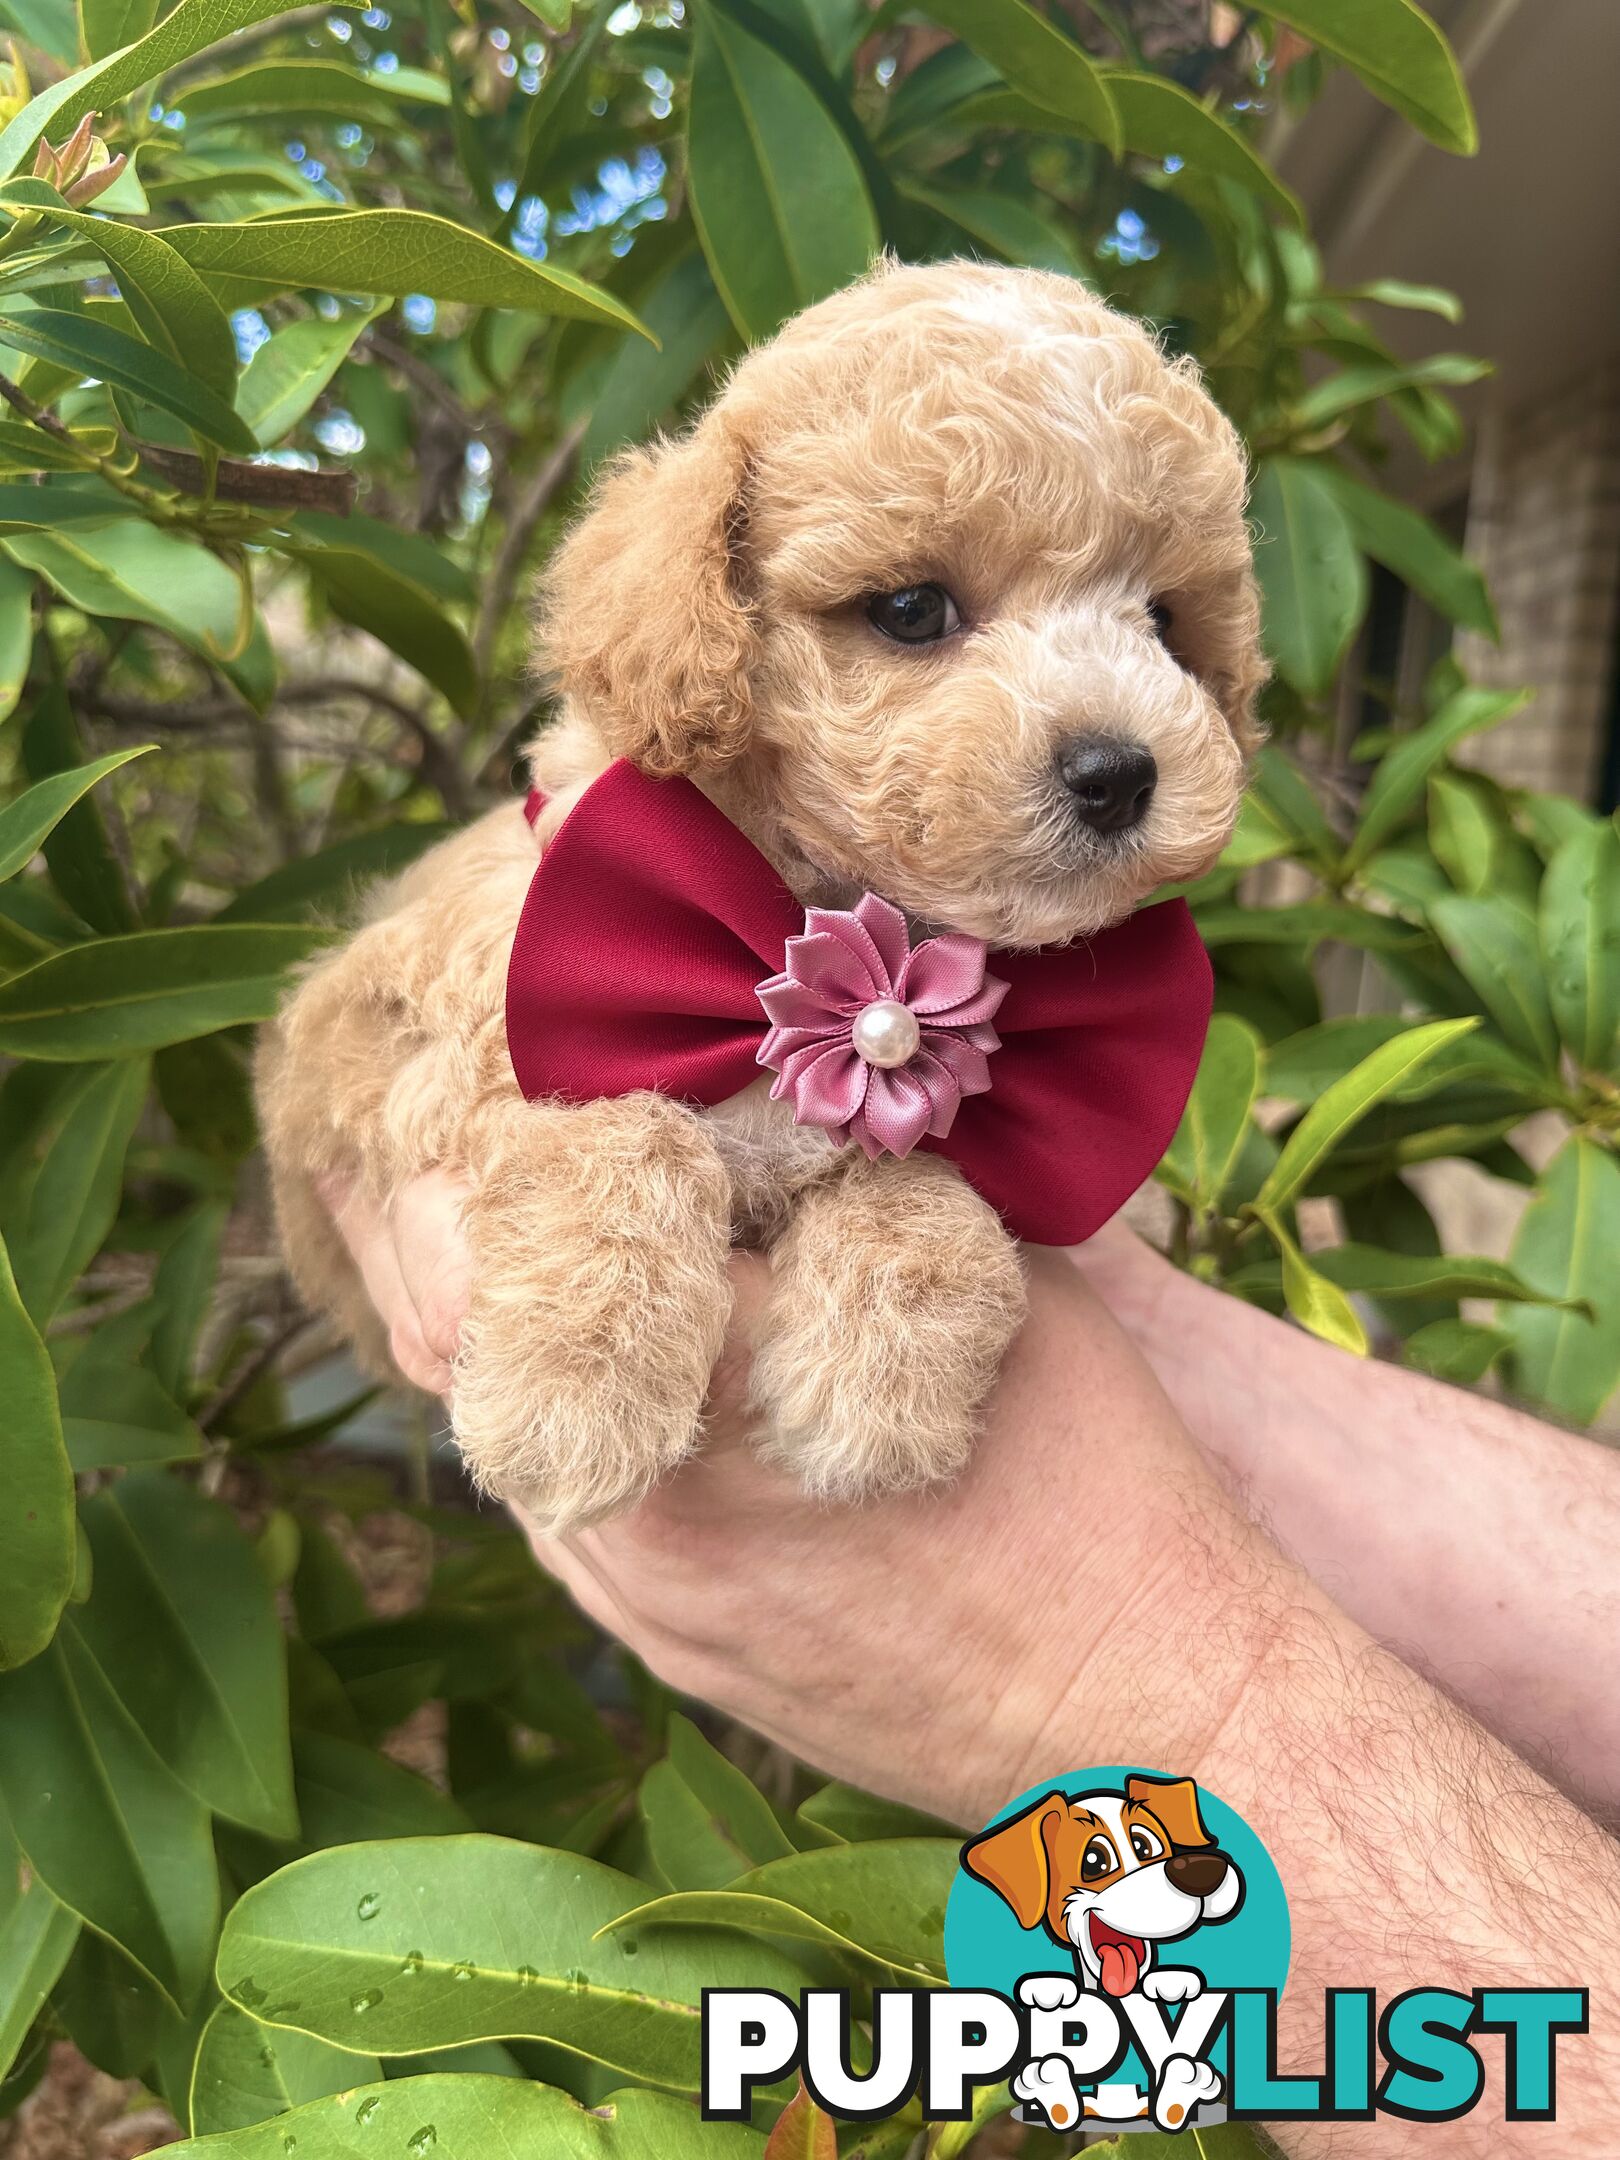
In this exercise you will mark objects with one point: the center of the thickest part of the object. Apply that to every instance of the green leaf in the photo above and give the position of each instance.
(348, 1793)
(1462, 832)
(1313, 580)
(1344, 1104)
(476, 2118)
(87, 346)
(1370, 380)
(184, 1626)
(182, 1291)
(331, 882)
(1403, 1275)
(1160, 119)
(26, 820)
(1403, 772)
(1493, 943)
(780, 203)
(84, 870)
(173, 307)
(103, 1823)
(1455, 1350)
(270, 88)
(1397, 293)
(108, 25)
(1315, 1302)
(16, 635)
(394, 252)
(640, 384)
(883, 1903)
(74, 1195)
(1205, 1148)
(706, 1823)
(189, 28)
(1566, 1245)
(1399, 54)
(1008, 225)
(36, 1939)
(1580, 943)
(137, 572)
(1420, 555)
(115, 1415)
(122, 995)
(1301, 1066)
(245, 2074)
(1033, 57)
(291, 369)
(1288, 798)
(432, 1943)
(366, 589)
(37, 1575)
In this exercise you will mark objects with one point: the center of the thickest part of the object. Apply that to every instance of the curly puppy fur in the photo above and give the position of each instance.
(1002, 434)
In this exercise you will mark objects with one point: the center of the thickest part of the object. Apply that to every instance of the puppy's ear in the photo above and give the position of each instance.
(1015, 1861)
(1175, 1802)
(643, 615)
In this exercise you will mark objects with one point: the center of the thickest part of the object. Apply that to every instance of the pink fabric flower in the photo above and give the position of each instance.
(821, 1008)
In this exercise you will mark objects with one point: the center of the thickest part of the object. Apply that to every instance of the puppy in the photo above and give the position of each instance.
(1110, 1876)
(948, 598)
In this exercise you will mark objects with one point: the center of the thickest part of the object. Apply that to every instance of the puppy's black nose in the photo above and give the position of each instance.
(1200, 1874)
(1112, 782)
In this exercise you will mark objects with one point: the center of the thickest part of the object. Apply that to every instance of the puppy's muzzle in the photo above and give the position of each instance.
(1111, 783)
(1200, 1874)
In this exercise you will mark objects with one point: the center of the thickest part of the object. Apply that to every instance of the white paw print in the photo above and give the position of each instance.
(1049, 2083)
(1048, 1991)
(1173, 1984)
(1183, 2085)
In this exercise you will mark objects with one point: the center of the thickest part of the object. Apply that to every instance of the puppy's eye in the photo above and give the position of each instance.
(915, 615)
(1098, 1859)
(1162, 620)
(1145, 1846)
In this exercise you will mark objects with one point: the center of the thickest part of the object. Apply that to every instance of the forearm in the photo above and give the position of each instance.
(1416, 1851)
(1476, 1542)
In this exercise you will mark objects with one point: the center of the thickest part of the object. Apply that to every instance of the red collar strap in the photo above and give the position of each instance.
(658, 949)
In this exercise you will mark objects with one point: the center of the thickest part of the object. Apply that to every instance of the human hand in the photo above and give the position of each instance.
(882, 1643)
(414, 1262)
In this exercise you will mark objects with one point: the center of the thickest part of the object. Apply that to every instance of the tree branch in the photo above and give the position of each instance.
(546, 482)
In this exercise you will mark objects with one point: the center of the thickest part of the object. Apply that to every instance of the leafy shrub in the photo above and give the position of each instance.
(442, 263)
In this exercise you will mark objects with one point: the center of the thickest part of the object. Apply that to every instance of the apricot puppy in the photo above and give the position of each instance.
(947, 597)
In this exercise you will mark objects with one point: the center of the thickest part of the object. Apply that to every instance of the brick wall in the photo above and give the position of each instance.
(1544, 525)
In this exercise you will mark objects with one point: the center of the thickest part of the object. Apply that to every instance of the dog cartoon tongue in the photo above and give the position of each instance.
(1122, 1957)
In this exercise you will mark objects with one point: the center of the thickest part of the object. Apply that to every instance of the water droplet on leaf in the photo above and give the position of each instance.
(424, 2141)
(369, 1906)
(365, 2111)
(368, 2001)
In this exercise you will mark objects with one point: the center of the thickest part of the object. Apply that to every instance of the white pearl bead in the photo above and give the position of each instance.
(886, 1033)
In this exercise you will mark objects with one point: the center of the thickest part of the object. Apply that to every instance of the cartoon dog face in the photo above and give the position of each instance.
(1111, 1875)
(948, 596)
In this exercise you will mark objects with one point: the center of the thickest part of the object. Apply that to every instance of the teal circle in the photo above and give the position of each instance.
(986, 1948)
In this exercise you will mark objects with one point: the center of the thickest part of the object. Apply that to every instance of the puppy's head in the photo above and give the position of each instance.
(1111, 1874)
(954, 578)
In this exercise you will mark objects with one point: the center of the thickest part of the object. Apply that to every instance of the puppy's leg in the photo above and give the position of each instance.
(599, 1238)
(896, 1293)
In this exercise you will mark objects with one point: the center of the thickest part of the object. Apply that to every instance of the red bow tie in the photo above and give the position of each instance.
(658, 949)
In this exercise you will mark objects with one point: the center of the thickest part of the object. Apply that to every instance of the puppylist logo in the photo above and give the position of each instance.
(1116, 1944)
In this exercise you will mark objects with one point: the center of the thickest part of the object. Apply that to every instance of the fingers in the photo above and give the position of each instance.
(413, 1263)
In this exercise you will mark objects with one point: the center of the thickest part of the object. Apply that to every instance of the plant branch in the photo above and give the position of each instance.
(545, 483)
(274, 487)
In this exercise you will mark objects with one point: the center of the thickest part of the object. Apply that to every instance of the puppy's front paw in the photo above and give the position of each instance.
(599, 1304)
(1048, 1991)
(1173, 1983)
(897, 1292)
(1049, 2086)
(1182, 2088)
